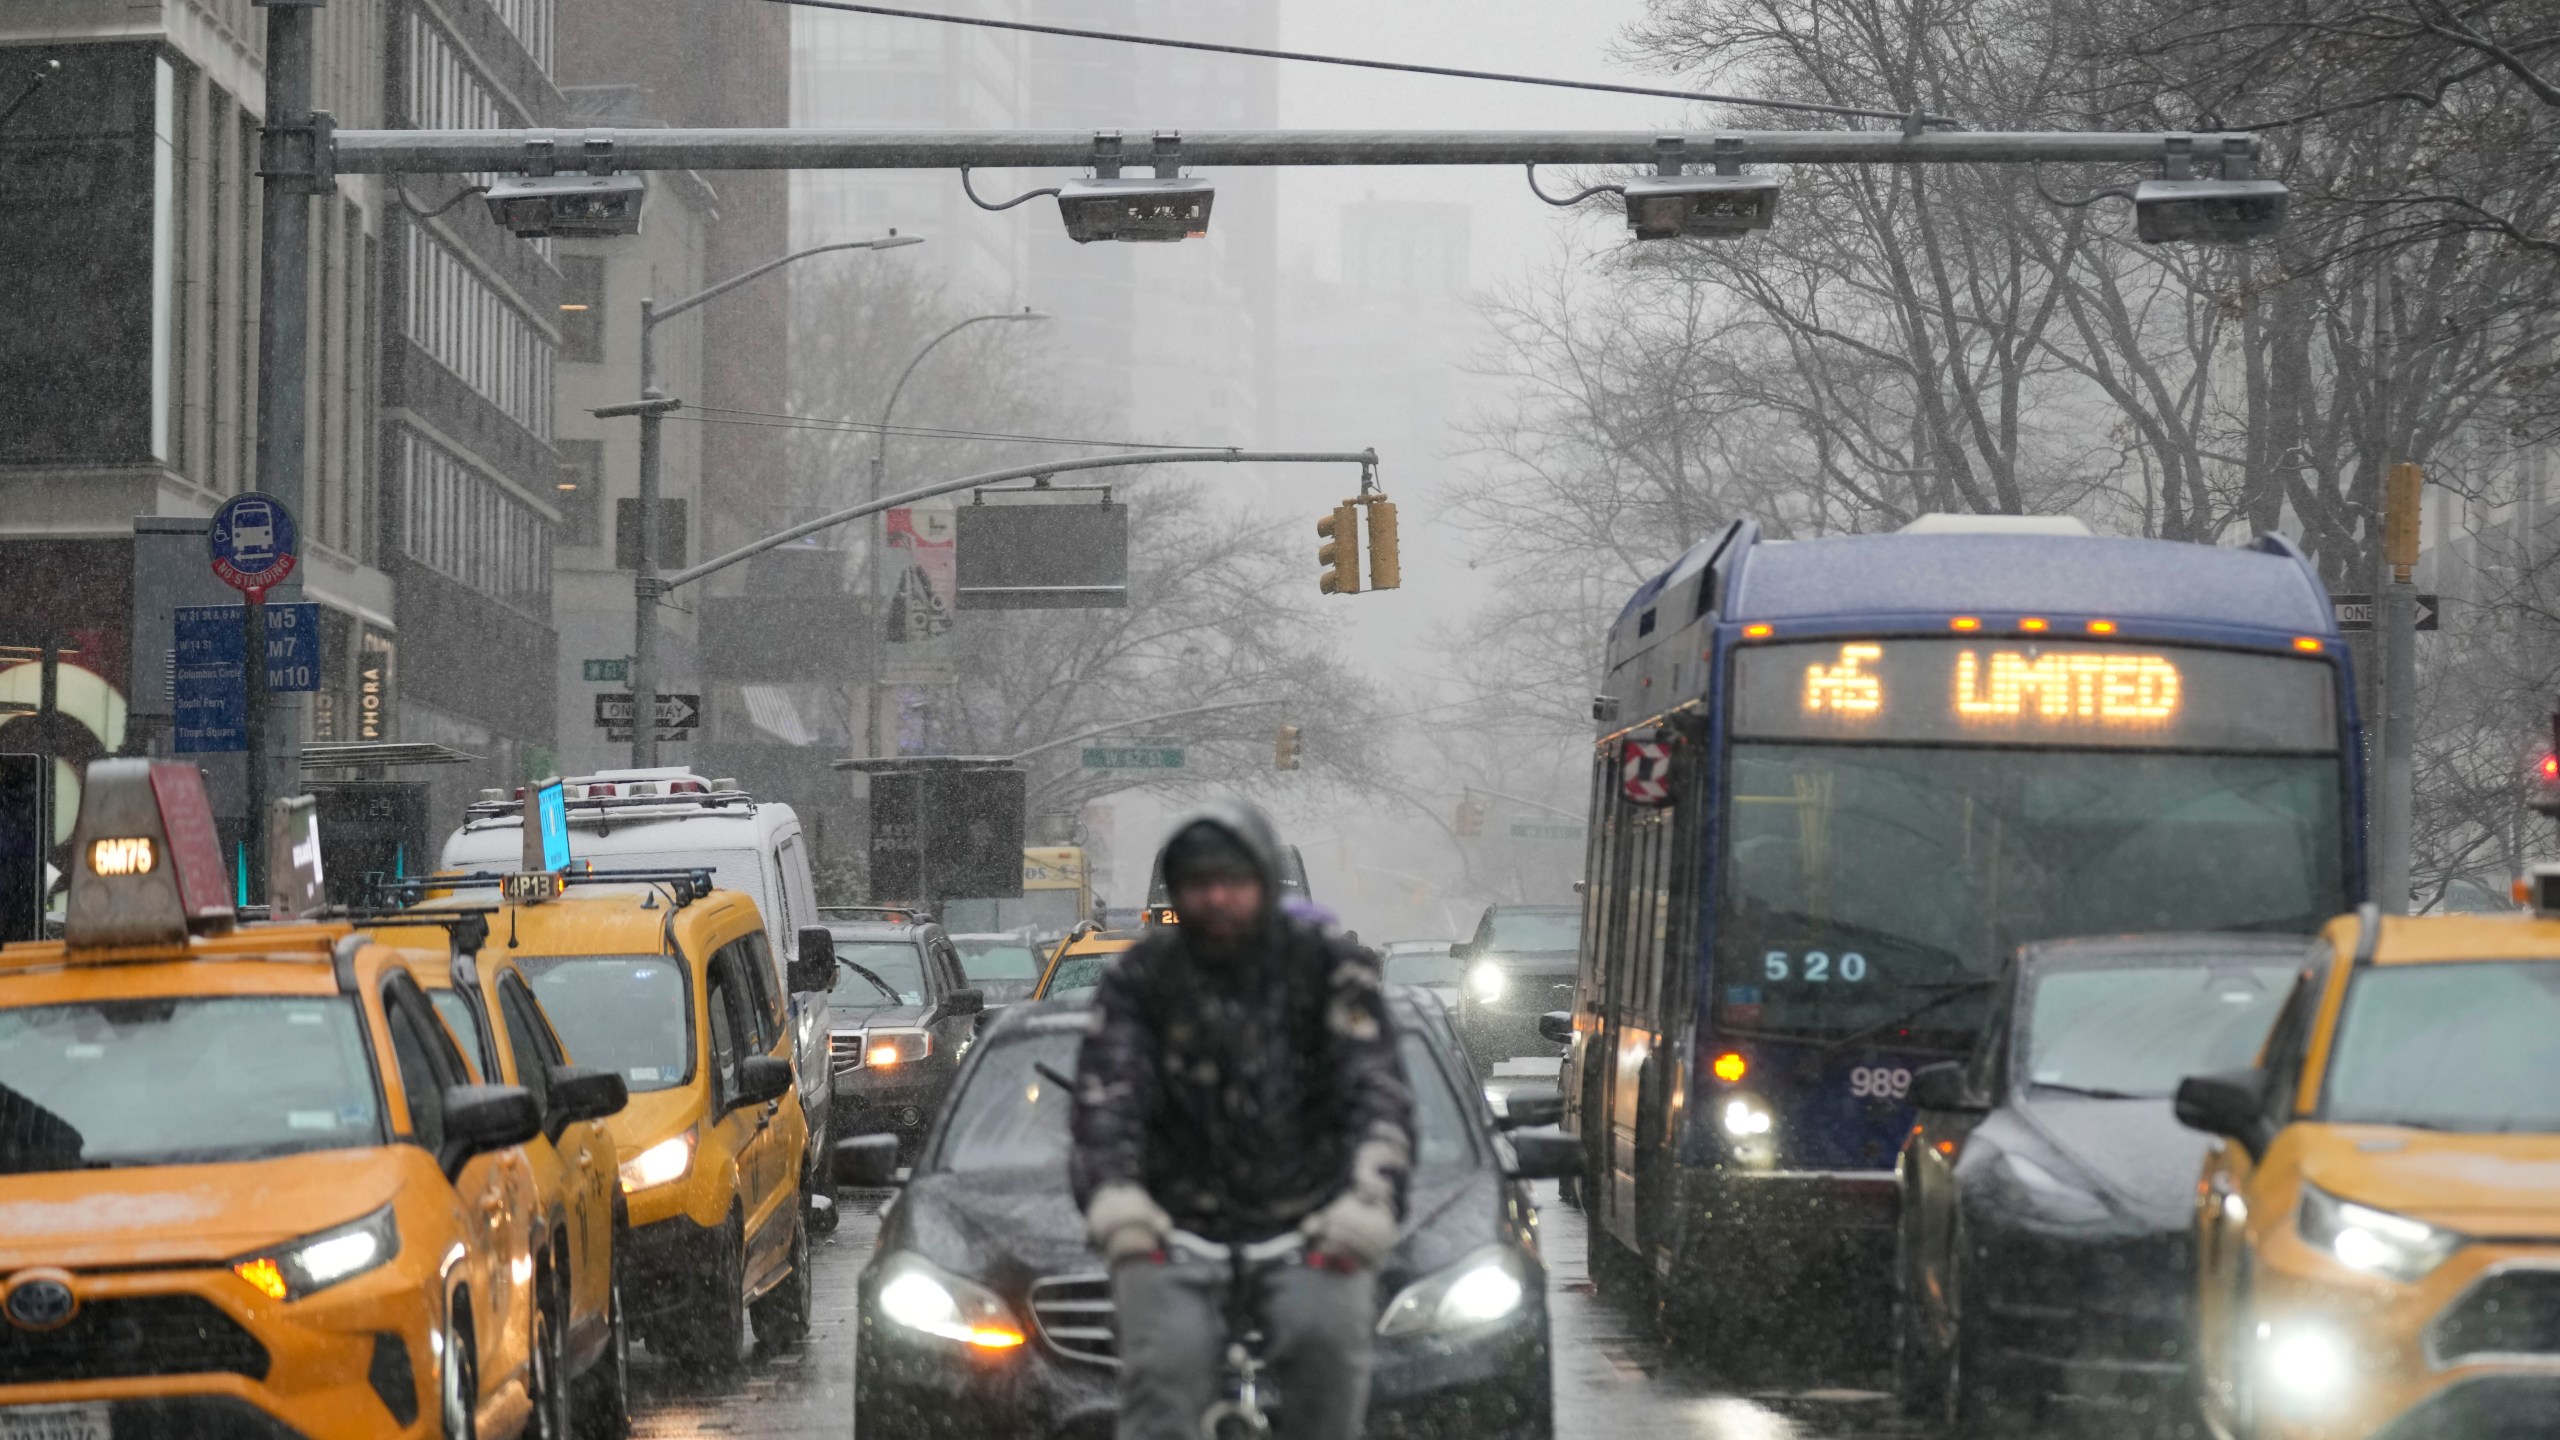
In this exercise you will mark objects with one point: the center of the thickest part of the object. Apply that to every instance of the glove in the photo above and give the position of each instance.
(1353, 1228)
(1123, 1221)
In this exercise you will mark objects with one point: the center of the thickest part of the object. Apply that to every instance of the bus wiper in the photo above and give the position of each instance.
(1949, 992)
(2093, 1092)
(876, 982)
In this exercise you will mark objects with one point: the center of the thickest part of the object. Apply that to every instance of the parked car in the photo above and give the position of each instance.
(899, 1019)
(2048, 1190)
(983, 1311)
(1519, 965)
(1426, 963)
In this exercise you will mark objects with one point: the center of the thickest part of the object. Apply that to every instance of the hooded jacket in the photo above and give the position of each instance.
(1236, 1087)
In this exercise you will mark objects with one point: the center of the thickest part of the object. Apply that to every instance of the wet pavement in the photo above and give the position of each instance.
(1614, 1381)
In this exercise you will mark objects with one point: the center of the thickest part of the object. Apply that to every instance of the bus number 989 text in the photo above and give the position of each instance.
(1815, 967)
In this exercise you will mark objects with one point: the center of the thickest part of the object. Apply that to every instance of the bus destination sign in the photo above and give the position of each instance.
(1982, 691)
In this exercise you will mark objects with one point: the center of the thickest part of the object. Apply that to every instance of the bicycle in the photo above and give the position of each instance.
(1241, 1415)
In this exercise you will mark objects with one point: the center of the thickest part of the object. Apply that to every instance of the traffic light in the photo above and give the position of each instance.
(1341, 550)
(1284, 748)
(1386, 569)
(1470, 818)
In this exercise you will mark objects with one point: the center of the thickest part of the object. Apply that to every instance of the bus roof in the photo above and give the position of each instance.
(2266, 585)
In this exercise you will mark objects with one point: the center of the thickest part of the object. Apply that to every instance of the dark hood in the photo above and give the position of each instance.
(2131, 1154)
(1251, 830)
(846, 1018)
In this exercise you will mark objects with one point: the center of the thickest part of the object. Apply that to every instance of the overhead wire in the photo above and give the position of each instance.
(784, 420)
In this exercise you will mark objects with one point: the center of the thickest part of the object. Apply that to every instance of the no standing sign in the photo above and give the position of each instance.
(253, 544)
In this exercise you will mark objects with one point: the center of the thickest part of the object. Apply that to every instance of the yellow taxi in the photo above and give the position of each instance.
(2378, 1237)
(489, 1006)
(1075, 967)
(668, 983)
(248, 1185)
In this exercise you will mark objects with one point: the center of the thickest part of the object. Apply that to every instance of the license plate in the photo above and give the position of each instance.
(55, 1422)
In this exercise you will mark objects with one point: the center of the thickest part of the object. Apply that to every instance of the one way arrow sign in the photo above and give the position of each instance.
(2355, 613)
(675, 712)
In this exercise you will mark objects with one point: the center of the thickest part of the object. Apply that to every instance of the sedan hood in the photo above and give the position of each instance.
(2484, 1184)
(2132, 1154)
(187, 1214)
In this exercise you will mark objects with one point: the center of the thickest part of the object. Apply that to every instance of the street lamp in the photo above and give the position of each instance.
(652, 410)
(879, 531)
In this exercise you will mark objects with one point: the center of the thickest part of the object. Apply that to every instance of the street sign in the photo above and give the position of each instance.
(616, 672)
(253, 543)
(208, 638)
(1544, 830)
(2355, 612)
(1158, 755)
(675, 712)
(621, 734)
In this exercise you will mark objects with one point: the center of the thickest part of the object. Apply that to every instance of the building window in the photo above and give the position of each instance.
(472, 331)
(580, 488)
(472, 530)
(582, 308)
(626, 535)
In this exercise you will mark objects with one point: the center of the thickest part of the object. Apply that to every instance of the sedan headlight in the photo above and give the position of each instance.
(316, 1262)
(1479, 1290)
(1486, 982)
(661, 1164)
(2374, 1241)
(919, 1297)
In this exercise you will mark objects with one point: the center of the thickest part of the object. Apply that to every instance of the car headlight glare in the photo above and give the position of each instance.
(2376, 1242)
(929, 1302)
(1486, 982)
(1483, 1288)
(661, 1164)
(2306, 1366)
(317, 1262)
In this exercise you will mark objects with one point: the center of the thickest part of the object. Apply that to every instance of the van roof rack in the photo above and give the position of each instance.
(612, 790)
(684, 886)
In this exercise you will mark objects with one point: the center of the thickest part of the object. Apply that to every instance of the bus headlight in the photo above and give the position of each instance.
(1486, 982)
(1745, 1117)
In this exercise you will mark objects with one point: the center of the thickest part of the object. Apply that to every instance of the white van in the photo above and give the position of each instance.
(672, 819)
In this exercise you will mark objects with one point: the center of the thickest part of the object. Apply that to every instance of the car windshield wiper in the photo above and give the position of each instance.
(2093, 1092)
(876, 982)
(1949, 992)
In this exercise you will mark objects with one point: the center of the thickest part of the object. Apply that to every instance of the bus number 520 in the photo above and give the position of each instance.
(1818, 967)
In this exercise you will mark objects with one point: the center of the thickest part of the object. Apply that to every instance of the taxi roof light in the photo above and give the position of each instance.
(146, 861)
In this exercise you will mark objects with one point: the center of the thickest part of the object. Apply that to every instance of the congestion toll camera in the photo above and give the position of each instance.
(1113, 208)
(568, 207)
(2234, 208)
(1711, 207)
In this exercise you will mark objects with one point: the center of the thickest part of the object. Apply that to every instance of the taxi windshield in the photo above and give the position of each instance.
(628, 1013)
(1080, 974)
(2449, 1047)
(186, 1080)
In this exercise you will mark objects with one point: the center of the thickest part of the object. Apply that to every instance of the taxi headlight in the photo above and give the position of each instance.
(1479, 1290)
(661, 1164)
(2305, 1367)
(2374, 1241)
(316, 1262)
(924, 1299)
(1486, 982)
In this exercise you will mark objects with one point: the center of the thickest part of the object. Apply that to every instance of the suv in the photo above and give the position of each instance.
(900, 1017)
(1519, 966)
(672, 819)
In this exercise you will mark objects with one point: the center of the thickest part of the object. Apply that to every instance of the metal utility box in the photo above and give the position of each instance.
(1043, 556)
(371, 831)
(947, 831)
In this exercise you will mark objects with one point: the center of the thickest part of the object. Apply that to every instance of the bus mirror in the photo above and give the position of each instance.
(1942, 1087)
(1556, 1026)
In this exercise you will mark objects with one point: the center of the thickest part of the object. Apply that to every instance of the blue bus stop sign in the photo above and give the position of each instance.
(253, 544)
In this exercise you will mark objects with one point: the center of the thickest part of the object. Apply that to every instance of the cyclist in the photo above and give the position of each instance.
(1242, 1083)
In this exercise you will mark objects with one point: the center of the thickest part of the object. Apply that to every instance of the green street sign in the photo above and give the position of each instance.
(615, 671)
(1133, 757)
(1544, 830)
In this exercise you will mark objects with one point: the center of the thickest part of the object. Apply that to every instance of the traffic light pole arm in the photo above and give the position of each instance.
(604, 151)
(1523, 800)
(1141, 720)
(1018, 472)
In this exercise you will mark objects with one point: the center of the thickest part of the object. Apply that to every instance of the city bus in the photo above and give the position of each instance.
(1837, 782)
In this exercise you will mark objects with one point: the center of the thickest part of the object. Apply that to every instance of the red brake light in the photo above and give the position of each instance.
(602, 789)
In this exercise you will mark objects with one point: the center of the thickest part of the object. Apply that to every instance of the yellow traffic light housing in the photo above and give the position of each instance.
(1470, 818)
(1341, 552)
(1284, 748)
(1386, 567)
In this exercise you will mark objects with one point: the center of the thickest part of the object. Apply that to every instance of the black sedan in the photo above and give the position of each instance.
(2048, 1192)
(1519, 966)
(984, 1312)
(900, 1017)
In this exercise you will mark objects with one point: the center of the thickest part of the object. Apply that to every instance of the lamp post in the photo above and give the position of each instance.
(652, 410)
(879, 532)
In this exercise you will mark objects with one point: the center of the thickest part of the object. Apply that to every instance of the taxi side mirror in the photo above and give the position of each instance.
(762, 1079)
(482, 1118)
(586, 1092)
(867, 1162)
(2232, 1104)
(1545, 1155)
(813, 970)
(1942, 1087)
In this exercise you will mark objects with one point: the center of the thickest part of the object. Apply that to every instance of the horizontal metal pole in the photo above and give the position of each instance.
(1118, 725)
(1019, 472)
(457, 151)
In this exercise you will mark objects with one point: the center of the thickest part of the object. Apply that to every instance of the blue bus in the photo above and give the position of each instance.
(1838, 781)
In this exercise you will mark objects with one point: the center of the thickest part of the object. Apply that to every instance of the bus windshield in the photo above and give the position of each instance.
(1882, 886)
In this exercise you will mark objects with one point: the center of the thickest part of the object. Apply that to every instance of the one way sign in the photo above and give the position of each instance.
(675, 712)
(2356, 612)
